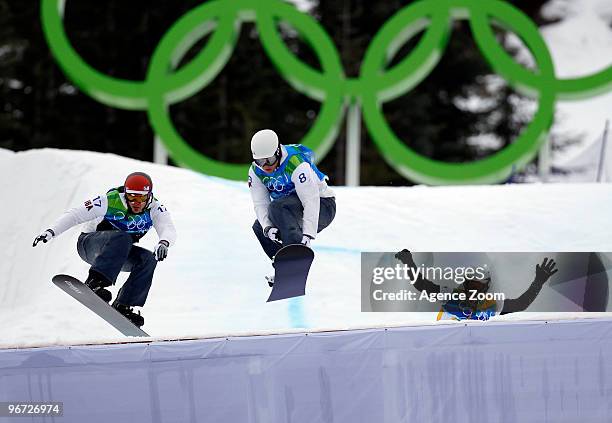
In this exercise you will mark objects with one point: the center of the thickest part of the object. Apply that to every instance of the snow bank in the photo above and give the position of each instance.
(212, 283)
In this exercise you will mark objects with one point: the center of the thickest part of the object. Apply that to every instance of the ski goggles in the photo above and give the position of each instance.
(137, 198)
(485, 281)
(481, 282)
(269, 161)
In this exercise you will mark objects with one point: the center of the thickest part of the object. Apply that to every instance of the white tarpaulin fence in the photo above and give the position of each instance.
(486, 372)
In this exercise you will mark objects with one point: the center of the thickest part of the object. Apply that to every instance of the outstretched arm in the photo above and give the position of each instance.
(543, 272)
(89, 210)
(421, 283)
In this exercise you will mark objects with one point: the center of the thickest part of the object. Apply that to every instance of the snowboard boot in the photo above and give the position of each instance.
(128, 312)
(96, 283)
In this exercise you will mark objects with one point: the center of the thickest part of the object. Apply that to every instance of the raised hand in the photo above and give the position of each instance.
(545, 270)
(405, 257)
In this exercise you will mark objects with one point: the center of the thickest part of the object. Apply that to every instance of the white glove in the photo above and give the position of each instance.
(44, 237)
(306, 240)
(272, 233)
(161, 250)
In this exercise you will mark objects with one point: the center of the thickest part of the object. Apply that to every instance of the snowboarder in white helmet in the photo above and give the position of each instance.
(290, 194)
(115, 221)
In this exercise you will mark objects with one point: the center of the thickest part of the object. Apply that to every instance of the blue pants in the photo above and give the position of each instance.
(110, 252)
(286, 214)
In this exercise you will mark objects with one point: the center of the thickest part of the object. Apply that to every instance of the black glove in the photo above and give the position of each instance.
(545, 270)
(44, 237)
(161, 250)
(405, 257)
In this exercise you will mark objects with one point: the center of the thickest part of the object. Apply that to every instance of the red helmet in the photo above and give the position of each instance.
(138, 183)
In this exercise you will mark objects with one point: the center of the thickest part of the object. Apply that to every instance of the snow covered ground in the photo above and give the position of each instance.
(580, 45)
(213, 280)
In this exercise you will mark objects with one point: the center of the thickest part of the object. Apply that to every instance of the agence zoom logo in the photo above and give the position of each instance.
(222, 19)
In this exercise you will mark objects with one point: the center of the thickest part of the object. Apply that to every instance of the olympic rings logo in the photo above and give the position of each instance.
(274, 184)
(136, 222)
(469, 311)
(165, 85)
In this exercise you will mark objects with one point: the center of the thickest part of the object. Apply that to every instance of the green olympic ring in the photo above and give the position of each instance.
(165, 85)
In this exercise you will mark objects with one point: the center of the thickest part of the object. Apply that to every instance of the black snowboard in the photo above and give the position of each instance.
(291, 265)
(81, 292)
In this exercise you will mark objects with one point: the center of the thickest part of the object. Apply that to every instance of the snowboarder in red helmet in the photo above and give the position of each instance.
(115, 222)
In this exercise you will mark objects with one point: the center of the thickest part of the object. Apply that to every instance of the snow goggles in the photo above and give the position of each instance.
(138, 198)
(269, 161)
(486, 282)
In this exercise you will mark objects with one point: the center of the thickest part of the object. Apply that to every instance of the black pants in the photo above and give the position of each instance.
(286, 214)
(110, 252)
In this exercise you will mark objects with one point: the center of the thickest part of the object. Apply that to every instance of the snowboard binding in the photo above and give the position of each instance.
(97, 284)
(128, 312)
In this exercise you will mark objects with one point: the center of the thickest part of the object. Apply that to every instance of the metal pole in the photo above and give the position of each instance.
(544, 161)
(353, 144)
(602, 155)
(160, 154)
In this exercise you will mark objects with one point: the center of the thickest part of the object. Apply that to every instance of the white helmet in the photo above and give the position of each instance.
(264, 144)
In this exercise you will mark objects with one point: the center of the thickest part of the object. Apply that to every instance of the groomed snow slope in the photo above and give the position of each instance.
(213, 280)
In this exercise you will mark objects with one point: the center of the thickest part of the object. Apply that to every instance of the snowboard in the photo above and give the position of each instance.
(291, 265)
(81, 292)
